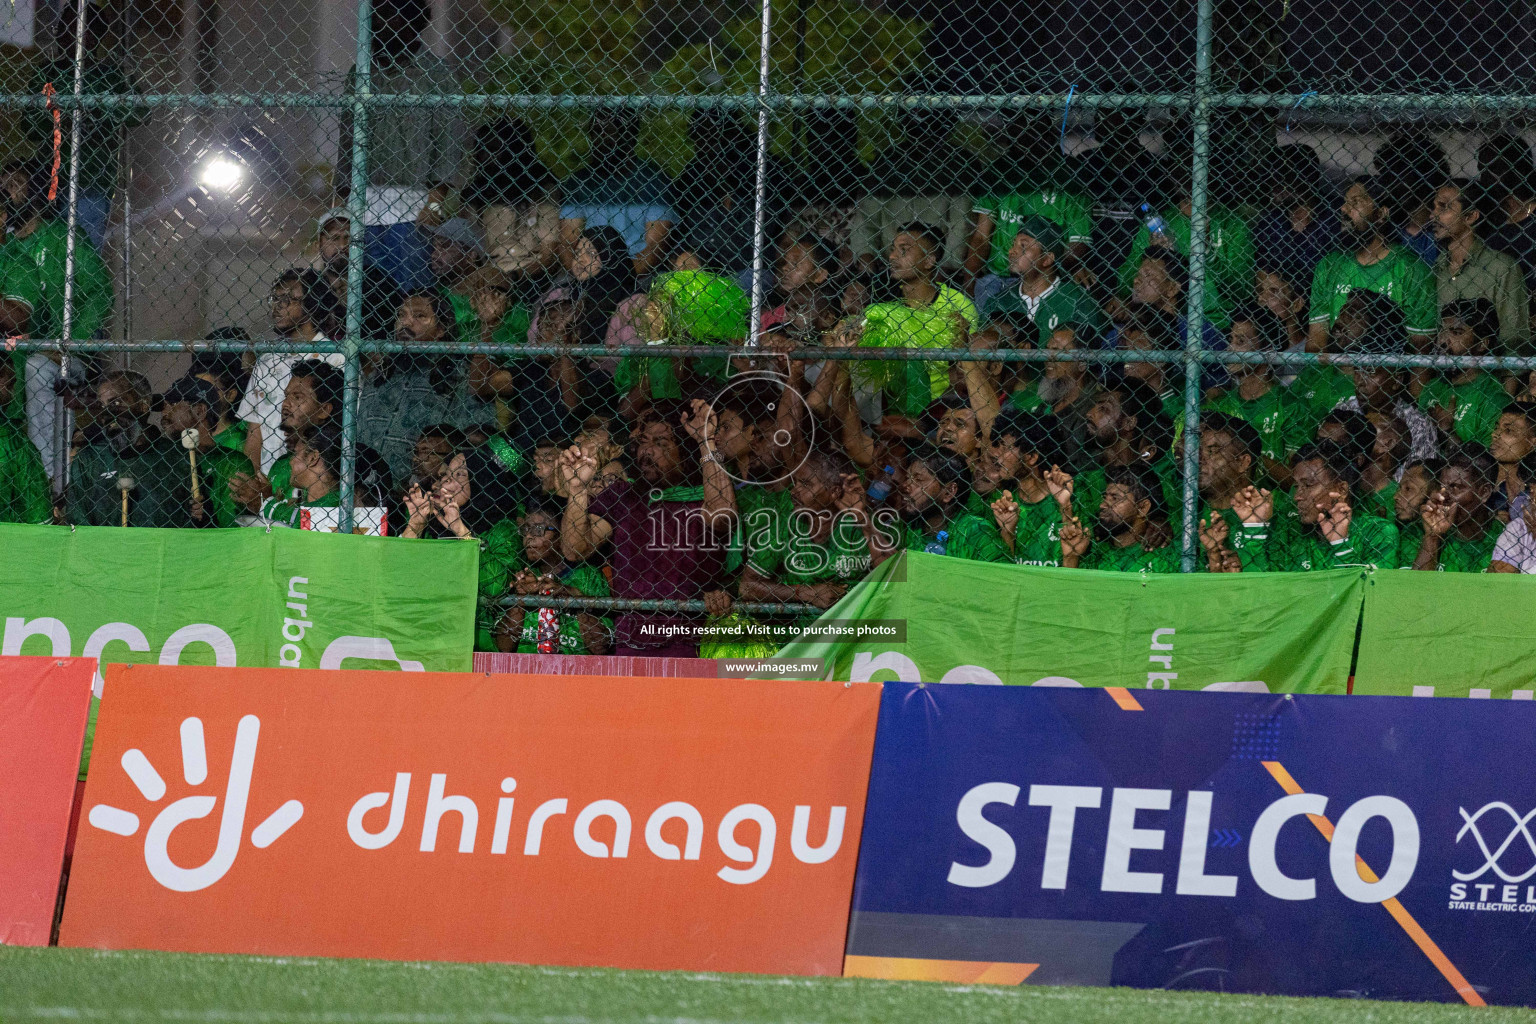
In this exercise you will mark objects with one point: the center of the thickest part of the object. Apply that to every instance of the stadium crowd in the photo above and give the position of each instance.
(759, 476)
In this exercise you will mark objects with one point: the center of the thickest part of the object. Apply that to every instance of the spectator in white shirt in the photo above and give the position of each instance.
(302, 307)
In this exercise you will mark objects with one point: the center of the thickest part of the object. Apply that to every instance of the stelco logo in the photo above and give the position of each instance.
(1508, 894)
(388, 810)
(1122, 837)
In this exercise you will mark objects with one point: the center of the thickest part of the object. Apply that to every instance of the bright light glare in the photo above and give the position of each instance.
(222, 174)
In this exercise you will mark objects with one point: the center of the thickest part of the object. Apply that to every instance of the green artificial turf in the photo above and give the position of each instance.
(64, 985)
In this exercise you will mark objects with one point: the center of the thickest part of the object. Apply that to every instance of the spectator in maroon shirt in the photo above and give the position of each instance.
(665, 533)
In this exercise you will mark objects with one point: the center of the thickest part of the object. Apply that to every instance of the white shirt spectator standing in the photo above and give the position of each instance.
(298, 300)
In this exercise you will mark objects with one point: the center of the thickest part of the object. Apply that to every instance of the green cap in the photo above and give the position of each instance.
(1044, 232)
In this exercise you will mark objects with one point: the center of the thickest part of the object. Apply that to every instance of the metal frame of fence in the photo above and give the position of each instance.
(1199, 102)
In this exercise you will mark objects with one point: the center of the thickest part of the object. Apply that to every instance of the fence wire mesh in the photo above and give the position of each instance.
(692, 313)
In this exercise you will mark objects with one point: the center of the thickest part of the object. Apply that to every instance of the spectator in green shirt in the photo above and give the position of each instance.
(933, 506)
(1378, 444)
(315, 471)
(1229, 251)
(1133, 526)
(1126, 429)
(825, 544)
(24, 494)
(1040, 298)
(1468, 269)
(1328, 533)
(1372, 262)
(475, 497)
(546, 572)
(1256, 396)
(1230, 450)
(224, 372)
(196, 405)
(312, 399)
(1465, 403)
(930, 314)
(1460, 527)
(1413, 490)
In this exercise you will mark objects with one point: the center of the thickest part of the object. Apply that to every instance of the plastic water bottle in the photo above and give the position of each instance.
(1154, 221)
(881, 489)
(939, 545)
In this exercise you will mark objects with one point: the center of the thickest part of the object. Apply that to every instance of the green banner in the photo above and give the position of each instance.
(957, 621)
(246, 597)
(1448, 634)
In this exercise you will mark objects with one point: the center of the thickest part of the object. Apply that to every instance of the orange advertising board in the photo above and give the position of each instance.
(643, 823)
(43, 707)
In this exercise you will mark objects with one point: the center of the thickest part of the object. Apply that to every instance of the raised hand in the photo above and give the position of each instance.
(1333, 517)
(1061, 485)
(1253, 505)
(490, 305)
(249, 491)
(576, 469)
(1074, 538)
(718, 603)
(1439, 514)
(1213, 534)
(700, 422)
(1006, 511)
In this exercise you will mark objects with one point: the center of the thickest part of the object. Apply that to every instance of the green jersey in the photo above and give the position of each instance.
(1457, 553)
(1319, 389)
(787, 552)
(1410, 536)
(1064, 302)
(1088, 488)
(1229, 250)
(1401, 277)
(1382, 504)
(1070, 211)
(1109, 557)
(233, 436)
(24, 494)
(1477, 405)
(965, 536)
(290, 511)
(757, 510)
(35, 275)
(1371, 541)
(501, 556)
(281, 478)
(1037, 540)
(1281, 420)
(586, 580)
(215, 469)
(911, 386)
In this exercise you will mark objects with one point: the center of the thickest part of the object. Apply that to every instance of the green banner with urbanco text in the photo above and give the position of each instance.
(957, 621)
(1448, 634)
(248, 597)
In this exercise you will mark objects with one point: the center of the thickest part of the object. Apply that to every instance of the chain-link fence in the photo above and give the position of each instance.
(691, 313)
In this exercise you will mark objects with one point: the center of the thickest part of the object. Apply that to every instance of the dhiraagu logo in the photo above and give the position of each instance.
(151, 785)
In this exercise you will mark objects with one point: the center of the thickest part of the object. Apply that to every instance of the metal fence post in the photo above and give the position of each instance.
(760, 200)
(1199, 228)
(357, 198)
(62, 430)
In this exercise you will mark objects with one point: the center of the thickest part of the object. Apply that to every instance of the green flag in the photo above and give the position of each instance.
(238, 597)
(976, 622)
(1447, 634)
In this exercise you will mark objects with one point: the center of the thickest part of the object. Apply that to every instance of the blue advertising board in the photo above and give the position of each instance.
(1301, 845)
